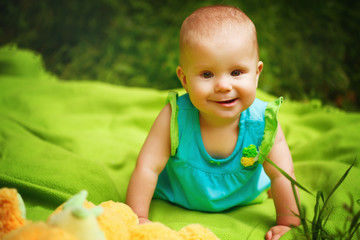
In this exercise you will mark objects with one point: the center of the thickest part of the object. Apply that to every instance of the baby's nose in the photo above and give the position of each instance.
(223, 84)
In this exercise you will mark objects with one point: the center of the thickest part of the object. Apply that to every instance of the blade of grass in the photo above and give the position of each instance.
(354, 231)
(340, 182)
(337, 185)
(314, 226)
(322, 227)
(302, 214)
(287, 175)
(296, 197)
(327, 217)
(355, 222)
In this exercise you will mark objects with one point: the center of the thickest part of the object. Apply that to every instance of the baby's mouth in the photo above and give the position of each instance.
(227, 101)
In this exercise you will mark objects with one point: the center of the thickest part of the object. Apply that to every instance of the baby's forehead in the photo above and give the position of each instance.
(217, 32)
(215, 22)
(216, 37)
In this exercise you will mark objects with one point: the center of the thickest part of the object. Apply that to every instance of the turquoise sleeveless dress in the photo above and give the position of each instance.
(197, 181)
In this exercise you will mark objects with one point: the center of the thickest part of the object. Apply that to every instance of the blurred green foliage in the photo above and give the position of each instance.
(309, 48)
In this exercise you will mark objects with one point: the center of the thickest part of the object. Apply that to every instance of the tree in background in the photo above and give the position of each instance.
(309, 48)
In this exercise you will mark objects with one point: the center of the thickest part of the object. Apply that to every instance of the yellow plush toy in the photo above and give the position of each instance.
(11, 215)
(79, 219)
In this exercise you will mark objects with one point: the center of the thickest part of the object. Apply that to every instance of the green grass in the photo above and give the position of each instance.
(316, 229)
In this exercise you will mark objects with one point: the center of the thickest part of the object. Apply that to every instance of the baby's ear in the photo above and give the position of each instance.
(182, 77)
(258, 71)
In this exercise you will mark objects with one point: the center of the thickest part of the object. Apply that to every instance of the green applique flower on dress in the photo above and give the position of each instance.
(249, 156)
(213, 162)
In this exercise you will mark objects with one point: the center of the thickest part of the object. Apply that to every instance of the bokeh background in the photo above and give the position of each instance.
(310, 48)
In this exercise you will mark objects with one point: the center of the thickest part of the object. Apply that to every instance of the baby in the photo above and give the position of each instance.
(206, 150)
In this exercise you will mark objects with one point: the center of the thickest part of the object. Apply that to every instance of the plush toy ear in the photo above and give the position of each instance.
(82, 212)
(76, 200)
(21, 206)
(78, 220)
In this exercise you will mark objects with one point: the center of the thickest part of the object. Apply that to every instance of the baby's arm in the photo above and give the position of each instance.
(281, 189)
(151, 161)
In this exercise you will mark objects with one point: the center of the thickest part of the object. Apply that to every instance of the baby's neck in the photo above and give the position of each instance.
(219, 138)
(212, 122)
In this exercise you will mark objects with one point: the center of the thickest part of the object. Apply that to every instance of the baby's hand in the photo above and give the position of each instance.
(143, 220)
(276, 232)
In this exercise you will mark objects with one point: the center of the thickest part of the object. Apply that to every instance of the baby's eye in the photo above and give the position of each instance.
(236, 73)
(207, 75)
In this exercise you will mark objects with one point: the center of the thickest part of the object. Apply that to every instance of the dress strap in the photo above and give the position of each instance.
(271, 126)
(174, 128)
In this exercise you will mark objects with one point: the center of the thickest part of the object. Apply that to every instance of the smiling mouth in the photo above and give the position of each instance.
(227, 101)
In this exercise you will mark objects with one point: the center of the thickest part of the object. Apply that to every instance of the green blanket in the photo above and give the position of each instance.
(59, 137)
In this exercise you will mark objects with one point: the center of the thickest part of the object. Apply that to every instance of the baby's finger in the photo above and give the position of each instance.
(268, 235)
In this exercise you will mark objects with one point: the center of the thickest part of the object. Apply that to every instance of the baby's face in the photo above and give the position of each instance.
(221, 75)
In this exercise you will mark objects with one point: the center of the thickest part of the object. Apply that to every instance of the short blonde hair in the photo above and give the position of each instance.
(206, 21)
